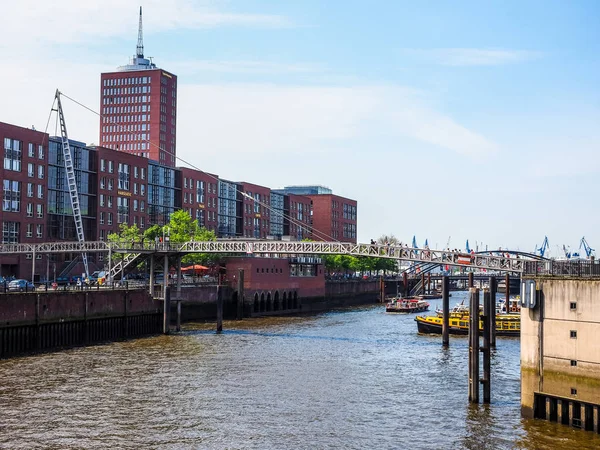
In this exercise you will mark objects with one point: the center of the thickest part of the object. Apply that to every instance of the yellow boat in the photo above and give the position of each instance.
(506, 324)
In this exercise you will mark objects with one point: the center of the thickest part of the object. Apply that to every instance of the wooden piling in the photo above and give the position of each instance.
(381, 290)
(548, 408)
(166, 310)
(240, 296)
(446, 311)
(583, 417)
(559, 411)
(178, 327)
(487, 365)
(595, 419)
(405, 284)
(422, 283)
(152, 276)
(471, 283)
(474, 345)
(493, 290)
(429, 283)
(570, 414)
(219, 308)
(507, 292)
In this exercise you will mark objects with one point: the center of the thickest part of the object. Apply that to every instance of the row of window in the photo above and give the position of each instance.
(126, 100)
(127, 119)
(11, 231)
(124, 110)
(108, 82)
(31, 171)
(127, 90)
(125, 128)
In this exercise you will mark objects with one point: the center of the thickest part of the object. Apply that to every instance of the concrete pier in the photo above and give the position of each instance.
(560, 357)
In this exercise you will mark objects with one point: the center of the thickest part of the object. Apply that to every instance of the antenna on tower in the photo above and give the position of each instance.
(140, 43)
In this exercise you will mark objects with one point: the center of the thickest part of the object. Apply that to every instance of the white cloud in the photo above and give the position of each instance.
(472, 56)
(65, 21)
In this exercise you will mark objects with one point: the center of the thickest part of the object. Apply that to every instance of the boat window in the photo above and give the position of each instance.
(463, 324)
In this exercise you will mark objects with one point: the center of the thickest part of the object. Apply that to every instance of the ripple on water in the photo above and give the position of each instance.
(354, 378)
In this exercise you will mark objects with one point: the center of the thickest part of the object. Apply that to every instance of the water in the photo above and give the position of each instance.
(356, 378)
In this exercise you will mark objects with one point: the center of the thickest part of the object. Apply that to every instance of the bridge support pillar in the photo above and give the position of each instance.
(178, 326)
(178, 277)
(240, 296)
(474, 345)
(487, 365)
(493, 290)
(507, 293)
(404, 284)
(166, 310)
(219, 308)
(559, 411)
(165, 275)
(471, 283)
(381, 290)
(446, 311)
(595, 419)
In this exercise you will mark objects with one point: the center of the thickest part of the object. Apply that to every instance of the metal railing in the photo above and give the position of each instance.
(579, 269)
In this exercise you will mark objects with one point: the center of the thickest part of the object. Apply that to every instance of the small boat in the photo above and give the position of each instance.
(406, 305)
(431, 296)
(506, 324)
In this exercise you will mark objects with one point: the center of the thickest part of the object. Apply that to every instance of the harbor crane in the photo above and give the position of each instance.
(543, 249)
(589, 252)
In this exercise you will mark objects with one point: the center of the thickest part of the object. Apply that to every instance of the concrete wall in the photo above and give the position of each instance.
(548, 351)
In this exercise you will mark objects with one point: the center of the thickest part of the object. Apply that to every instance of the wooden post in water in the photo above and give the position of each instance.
(446, 311)
(381, 289)
(487, 365)
(493, 290)
(152, 275)
(422, 283)
(240, 296)
(178, 327)
(429, 283)
(166, 309)
(470, 275)
(474, 345)
(507, 292)
(219, 308)
(405, 284)
(179, 277)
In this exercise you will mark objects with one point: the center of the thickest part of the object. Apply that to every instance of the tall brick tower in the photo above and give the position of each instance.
(138, 108)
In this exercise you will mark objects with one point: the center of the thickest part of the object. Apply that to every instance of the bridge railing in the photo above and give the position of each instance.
(580, 269)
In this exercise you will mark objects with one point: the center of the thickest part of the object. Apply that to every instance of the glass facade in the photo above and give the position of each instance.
(276, 214)
(227, 209)
(163, 198)
(61, 223)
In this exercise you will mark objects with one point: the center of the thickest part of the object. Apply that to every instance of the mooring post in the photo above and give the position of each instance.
(493, 290)
(178, 328)
(381, 289)
(219, 308)
(446, 311)
(165, 275)
(487, 365)
(471, 284)
(422, 283)
(38, 334)
(429, 283)
(405, 284)
(152, 275)
(240, 296)
(507, 292)
(166, 309)
(179, 278)
(474, 345)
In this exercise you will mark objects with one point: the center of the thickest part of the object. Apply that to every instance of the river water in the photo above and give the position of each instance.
(354, 378)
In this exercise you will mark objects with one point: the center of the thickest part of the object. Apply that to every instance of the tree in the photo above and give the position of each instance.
(127, 235)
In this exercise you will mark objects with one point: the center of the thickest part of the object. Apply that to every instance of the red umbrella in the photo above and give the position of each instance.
(194, 268)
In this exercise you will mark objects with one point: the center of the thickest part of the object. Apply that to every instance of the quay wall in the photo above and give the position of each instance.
(41, 321)
(560, 356)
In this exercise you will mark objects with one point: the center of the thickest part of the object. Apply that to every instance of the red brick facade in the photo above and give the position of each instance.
(334, 217)
(200, 197)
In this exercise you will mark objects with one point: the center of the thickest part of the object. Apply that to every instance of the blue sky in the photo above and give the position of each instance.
(468, 120)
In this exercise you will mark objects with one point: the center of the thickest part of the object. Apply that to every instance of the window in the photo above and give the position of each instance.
(135, 205)
(142, 205)
(11, 196)
(102, 166)
(41, 172)
(31, 151)
(110, 167)
(40, 152)
(30, 170)
(30, 189)
(573, 391)
(101, 218)
(135, 172)
(573, 363)
(573, 306)
(39, 230)
(124, 176)
(40, 191)
(110, 201)
(143, 173)
(142, 189)
(12, 154)
(40, 211)
(110, 184)
(103, 183)
(29, 232)
(122, 210)
(573, 334)
(10, 232)
(110, 218)
(29, 209)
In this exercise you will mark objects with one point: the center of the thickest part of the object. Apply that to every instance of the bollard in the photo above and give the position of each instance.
(474, 345)
(219, 309)
(493, 290)
(240, 297)
(446, 311)
(485, 349)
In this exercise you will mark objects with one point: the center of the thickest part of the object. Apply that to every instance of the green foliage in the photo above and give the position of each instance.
(126, 235)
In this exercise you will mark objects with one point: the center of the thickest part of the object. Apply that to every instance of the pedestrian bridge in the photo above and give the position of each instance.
(276, 248)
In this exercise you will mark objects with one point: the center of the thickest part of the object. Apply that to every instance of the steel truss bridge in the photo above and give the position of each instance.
(133, 250)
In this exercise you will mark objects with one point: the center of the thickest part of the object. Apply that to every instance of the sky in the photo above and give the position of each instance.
(446, 121)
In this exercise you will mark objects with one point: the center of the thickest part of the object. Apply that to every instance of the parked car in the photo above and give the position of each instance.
(21, 286)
